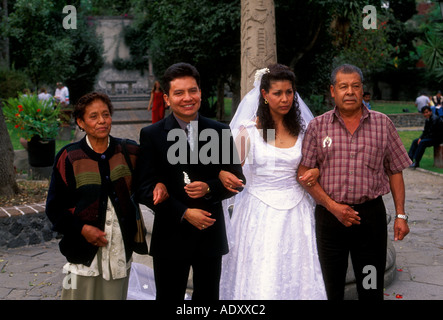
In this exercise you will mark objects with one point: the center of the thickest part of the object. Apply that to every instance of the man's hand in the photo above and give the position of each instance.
(197, 189)
(199, 218)
(160, 193)
(401, 229)
(345, 214)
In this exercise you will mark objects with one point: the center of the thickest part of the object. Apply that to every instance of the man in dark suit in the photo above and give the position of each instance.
(189, 227)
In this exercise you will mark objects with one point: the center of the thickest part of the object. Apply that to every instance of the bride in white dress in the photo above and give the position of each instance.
(273, 251)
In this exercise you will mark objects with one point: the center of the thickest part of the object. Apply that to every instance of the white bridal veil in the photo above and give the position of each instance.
(247, 112)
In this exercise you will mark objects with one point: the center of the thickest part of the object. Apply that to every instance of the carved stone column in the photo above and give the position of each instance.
(258, 41)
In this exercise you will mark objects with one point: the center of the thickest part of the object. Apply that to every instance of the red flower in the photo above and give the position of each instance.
(20, 106)
(16, 126)
(38, 110)
(17, 114)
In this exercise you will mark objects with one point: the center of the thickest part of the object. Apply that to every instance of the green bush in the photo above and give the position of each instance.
(11, 82)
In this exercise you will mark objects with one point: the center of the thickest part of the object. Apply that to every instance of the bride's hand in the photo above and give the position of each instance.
(230, 181)
(310, 177)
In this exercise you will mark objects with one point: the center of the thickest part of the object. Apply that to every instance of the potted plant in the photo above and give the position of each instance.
(37, 121)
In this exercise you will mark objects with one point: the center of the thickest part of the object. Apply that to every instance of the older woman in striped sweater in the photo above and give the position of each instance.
(89, 202)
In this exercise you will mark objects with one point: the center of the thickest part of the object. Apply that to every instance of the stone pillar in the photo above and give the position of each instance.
(258, 41)
(438, 156)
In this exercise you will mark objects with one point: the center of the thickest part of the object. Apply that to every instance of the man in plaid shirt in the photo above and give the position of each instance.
(360, 157)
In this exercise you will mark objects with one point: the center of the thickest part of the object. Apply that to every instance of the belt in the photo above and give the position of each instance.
(364, 204)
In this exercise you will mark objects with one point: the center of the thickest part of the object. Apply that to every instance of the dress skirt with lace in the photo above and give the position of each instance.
(273, 254)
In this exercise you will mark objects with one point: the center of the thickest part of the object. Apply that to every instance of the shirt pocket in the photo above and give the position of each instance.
(373, 158)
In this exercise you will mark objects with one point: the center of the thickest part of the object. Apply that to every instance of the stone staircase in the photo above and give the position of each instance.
(130, 109)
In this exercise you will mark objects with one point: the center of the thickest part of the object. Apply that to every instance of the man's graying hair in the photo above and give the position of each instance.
(345, 68)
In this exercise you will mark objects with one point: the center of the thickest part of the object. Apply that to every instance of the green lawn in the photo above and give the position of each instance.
(393, 107)
(427, 161)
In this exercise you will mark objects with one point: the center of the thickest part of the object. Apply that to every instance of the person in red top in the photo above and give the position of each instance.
(360, 157)
(157, 103)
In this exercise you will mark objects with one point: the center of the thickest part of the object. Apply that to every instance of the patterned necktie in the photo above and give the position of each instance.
(190, 134)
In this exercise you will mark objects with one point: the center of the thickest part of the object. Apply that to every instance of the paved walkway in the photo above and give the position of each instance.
(35, 272)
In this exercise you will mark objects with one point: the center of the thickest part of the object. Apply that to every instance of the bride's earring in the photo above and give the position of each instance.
(266, 101)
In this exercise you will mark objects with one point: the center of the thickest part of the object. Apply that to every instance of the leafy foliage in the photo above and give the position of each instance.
(432, 51)
(46, 52)
(12, 81)
(369, 49)
(41, 46)
(204, 33)
(87, 59)
(32, 117)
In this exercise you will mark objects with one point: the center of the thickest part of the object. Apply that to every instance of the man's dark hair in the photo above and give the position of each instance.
(179, 70)
(347, 69)
(426, 108)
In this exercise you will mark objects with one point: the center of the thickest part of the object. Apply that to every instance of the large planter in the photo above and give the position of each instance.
(41, 152)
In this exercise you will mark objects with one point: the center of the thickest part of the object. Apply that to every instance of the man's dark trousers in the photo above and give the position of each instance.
(367, 244)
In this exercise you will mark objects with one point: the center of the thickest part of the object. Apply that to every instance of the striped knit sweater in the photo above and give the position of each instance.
(81, 183)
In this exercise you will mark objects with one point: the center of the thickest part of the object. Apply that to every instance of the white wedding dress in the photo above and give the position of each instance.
(274, 253)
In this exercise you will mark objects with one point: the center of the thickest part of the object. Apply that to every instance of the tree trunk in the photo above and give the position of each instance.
(5, 49)
(220, 100)
(8, 185)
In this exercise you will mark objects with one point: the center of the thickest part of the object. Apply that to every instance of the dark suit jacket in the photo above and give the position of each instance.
(172, 235)
(433, 129)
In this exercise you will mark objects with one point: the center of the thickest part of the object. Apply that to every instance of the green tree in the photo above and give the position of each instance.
(39, 44)
(431, 46)
(47, 52)
(86, 57)
(367, 48)
(204, 33)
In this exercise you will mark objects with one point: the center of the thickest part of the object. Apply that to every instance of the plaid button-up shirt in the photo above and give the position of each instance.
(354, 168)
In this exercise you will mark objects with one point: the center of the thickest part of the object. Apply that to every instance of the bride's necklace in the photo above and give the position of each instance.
(284, 141)
(279, 140)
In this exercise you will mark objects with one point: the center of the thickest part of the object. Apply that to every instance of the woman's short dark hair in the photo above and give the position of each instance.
(179, 70)
(87, 99)
(292, 120)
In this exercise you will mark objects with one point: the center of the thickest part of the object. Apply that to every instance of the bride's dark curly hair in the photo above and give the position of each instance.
(292, 120)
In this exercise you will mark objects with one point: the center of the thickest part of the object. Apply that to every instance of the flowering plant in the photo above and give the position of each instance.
(32, 117)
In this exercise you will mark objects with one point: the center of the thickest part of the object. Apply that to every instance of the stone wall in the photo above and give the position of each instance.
(405, 120)
(24, 225)
(111, 29)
